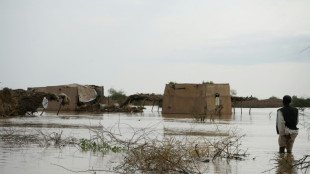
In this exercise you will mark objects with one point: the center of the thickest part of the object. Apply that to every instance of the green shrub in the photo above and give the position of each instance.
(88, 145)
(207, 82)
(172, 83)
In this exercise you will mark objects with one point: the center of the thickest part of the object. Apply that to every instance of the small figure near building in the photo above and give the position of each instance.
(45, 102)
(287, 120)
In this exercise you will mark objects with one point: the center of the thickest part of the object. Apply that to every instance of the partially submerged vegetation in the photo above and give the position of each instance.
(98, 146)
(142, 151)
(286, 163)
(185, 155)
(22, 137)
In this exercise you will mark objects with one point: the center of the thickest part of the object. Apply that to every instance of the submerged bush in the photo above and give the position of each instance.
(88, 145)
(142, 151)
(175, 155)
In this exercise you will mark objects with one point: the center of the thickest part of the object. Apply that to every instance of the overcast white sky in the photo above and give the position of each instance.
(259, 47)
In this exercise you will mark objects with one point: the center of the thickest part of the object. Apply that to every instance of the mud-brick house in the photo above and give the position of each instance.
(197, 98)
(78, 94)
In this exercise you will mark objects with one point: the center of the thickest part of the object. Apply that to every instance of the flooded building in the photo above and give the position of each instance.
(197, 99)
(79, 95)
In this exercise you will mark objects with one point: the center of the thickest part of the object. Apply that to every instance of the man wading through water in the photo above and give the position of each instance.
(287, 119)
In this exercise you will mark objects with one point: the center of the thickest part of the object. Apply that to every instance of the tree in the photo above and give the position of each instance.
(300, 102)
(233, 92)
(118, 96)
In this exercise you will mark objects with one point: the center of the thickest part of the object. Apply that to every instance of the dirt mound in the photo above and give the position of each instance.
(8, 103)
(20, 102)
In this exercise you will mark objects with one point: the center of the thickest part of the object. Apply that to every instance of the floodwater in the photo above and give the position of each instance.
(260, 140)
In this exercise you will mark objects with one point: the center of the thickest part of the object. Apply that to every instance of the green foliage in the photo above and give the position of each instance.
(172, 83)
(233, 92)
(300, 102)
(207, 82)
(118, 96)
(88, 145)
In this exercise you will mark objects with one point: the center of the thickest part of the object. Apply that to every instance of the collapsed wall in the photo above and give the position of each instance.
(79, 95)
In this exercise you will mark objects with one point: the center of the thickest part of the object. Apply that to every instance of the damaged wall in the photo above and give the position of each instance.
(74, 91)
(198, 98)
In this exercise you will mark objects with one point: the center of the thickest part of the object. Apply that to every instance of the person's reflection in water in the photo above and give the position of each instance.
(285, 164)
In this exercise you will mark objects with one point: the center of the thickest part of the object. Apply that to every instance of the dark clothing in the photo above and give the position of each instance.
(290, 116)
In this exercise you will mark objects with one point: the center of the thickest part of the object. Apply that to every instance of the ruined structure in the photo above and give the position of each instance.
(154, 98)
(197, 99)
(80, 96)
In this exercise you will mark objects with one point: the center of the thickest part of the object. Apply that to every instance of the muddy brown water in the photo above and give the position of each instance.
(259, 128)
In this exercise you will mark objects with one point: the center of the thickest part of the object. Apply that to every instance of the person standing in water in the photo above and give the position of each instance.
(287, 120)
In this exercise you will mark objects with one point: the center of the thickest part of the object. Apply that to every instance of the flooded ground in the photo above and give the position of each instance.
(259, 127)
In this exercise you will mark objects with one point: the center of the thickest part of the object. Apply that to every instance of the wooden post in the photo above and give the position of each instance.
(241, 107)
(42, 111)
(158, 106)
(144, 102)
(60, 106)
(153, 105)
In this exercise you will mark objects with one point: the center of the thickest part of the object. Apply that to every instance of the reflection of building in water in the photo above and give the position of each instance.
(210, 132)
(197, 99)
(207, 117)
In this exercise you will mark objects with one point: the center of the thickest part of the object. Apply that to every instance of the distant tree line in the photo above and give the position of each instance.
(300, 102)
